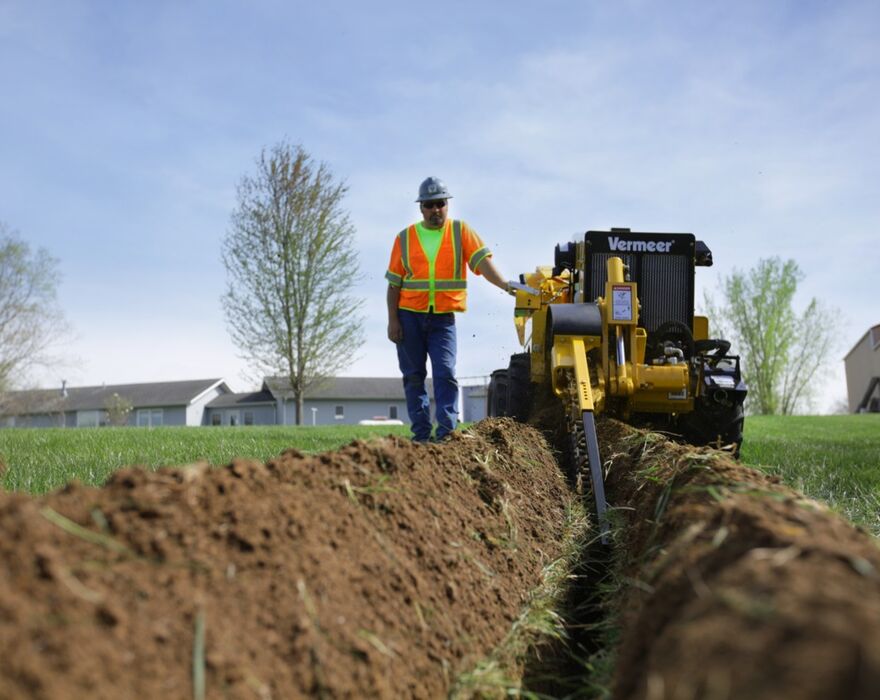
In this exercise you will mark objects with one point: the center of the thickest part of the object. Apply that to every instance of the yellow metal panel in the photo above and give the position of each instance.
(569, 352)
(520, 323)
(539, 328)
(561, 357)
(666, 378)
(614, 266)
(524, 300)
(657, 402)
(701, 328)
(641, 337)
(582, 375)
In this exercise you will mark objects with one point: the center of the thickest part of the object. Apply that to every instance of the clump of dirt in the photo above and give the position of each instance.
(379, 570)
(738, 587)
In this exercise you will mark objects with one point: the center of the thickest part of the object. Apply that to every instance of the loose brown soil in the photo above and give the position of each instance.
(385, 569)
(380, 570)
(736, 587)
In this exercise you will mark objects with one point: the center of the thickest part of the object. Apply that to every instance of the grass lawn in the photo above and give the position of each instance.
(835, 459)
(42, 459)
(831, 458)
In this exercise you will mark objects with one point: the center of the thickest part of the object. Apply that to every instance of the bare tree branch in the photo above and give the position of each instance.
(290, 268)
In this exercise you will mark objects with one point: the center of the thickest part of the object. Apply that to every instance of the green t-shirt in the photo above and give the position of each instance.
(430, 240)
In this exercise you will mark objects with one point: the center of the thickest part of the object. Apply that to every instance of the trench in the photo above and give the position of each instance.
(579, 665)
(722, 583)
(580, 662)
(578, 659)
(385, 568)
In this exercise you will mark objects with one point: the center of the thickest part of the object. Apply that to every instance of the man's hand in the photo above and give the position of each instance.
(395, 331)
(513, 287)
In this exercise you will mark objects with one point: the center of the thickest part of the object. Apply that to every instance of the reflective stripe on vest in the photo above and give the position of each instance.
(404, 252)
(443, 285)
(457, 283)
(456, 247)
(478, 257)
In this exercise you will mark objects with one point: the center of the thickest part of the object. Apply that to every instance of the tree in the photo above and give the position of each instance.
(31, 322)
(118, 409)
(290, 266)
(783, 353)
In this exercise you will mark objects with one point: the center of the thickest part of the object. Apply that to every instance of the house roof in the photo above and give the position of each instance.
(86, 398)
(249, 398)
(874, 332)
(349, 388)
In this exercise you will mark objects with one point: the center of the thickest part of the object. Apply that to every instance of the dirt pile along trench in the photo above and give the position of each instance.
(380, 570)
(735, 586)
(386, 569)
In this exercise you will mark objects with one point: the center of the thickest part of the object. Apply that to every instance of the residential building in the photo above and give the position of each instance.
(152, 404)
(343, 400)
(862, 365)
(335, 401)
(249, 408)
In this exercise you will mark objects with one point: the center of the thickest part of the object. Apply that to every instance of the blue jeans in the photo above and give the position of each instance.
(429, 335)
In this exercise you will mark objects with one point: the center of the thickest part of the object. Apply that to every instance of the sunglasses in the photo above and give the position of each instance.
(434, 204)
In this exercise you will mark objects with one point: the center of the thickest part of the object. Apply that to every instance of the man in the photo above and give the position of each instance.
(427, 280)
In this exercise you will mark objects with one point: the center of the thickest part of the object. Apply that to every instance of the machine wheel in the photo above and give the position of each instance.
(716, 426)
(731, 432)
(497, 395)
(519, 386)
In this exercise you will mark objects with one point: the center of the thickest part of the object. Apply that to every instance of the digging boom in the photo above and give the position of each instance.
(610, 328)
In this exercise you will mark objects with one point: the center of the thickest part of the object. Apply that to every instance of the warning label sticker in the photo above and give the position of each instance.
(621, 303)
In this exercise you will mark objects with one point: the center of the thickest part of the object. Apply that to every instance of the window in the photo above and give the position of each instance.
(392, 412)
(86, 419)
(149, 417)
(216, 419)
(232, 417)
(340, 412)
(248, 417)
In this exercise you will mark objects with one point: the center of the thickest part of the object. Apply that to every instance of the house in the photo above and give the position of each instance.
(335, 401)
(473, 400)
(150, 405)
(862, 365)
(249, 408)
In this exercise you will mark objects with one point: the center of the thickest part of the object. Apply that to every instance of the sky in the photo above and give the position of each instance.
(125, 128)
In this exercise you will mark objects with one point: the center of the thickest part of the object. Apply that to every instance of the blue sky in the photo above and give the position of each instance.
(125, 128)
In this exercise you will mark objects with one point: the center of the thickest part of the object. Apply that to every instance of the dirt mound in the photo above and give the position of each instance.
(738, 587)
(380, 570)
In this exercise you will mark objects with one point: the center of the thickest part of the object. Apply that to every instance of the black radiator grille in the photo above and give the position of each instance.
(665, 285)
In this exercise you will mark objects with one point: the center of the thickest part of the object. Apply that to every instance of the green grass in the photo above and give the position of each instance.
(835, 459)
(42, 459)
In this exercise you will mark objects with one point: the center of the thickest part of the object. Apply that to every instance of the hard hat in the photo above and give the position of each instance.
(433, 188)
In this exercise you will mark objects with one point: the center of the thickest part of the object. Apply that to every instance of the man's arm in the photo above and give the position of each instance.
(488, 270)
(395, 332)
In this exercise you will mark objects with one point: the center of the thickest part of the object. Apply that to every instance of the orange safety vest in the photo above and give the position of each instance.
(446, 289)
